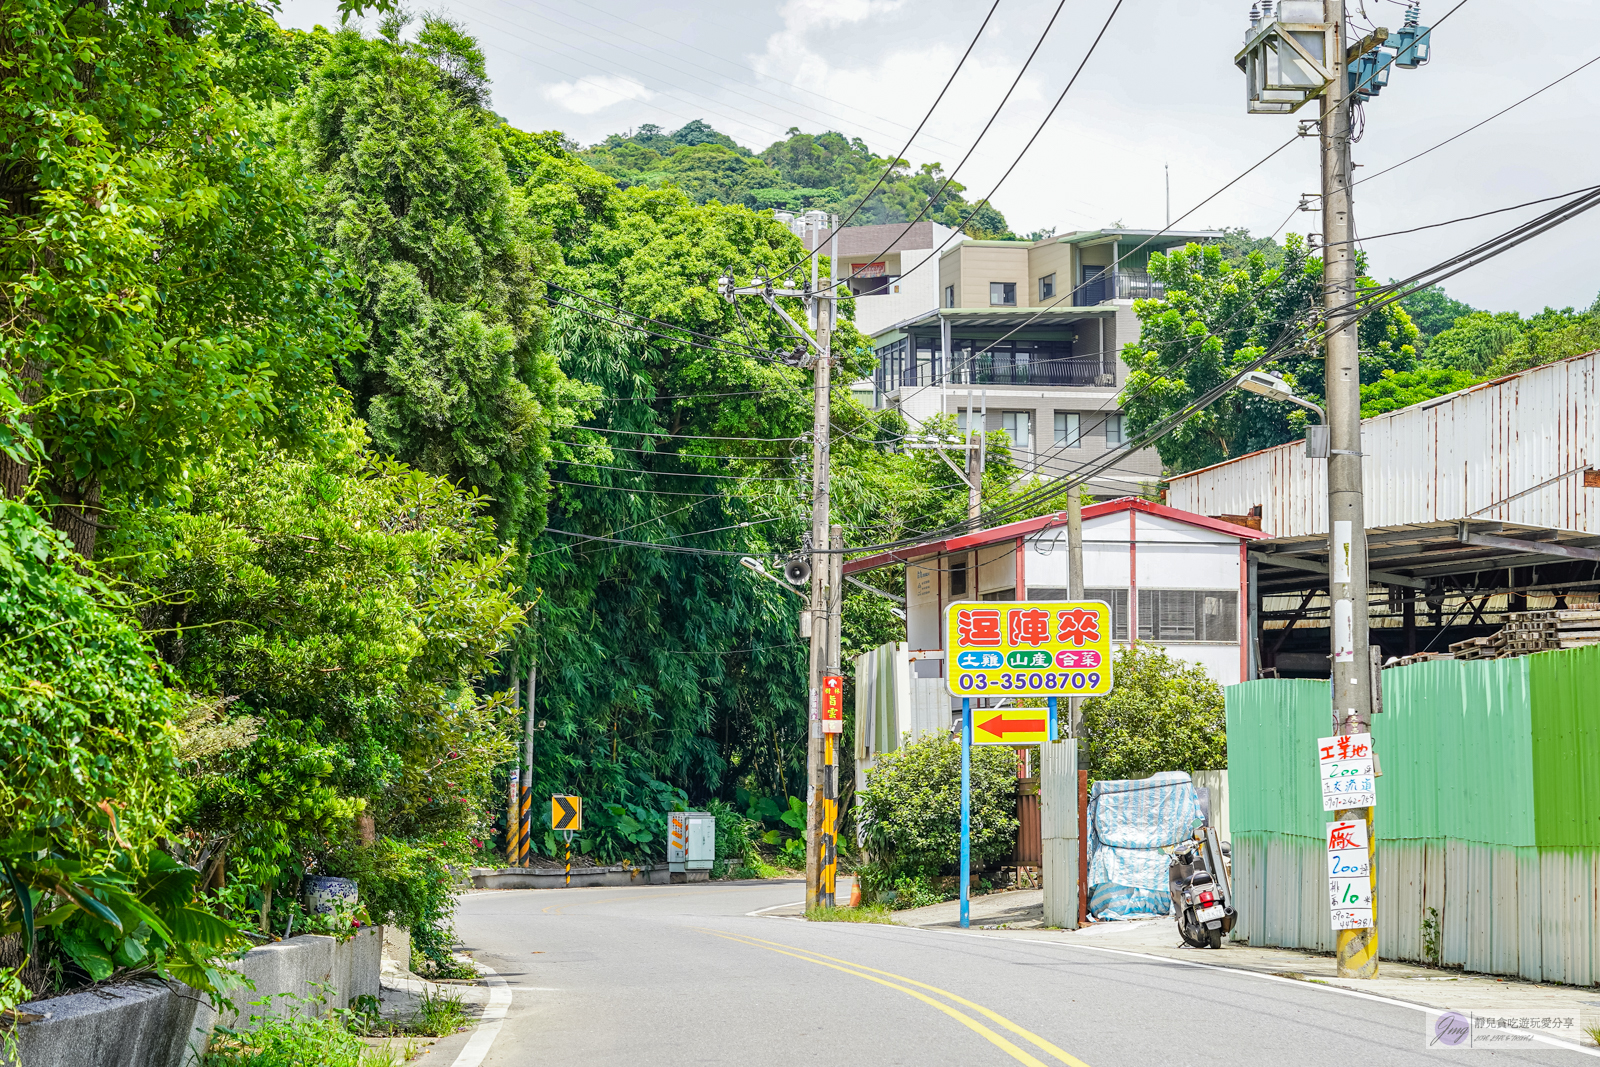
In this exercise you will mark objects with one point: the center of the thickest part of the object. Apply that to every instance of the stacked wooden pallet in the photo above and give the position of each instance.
(1420, 657)
(1491, 647)
(1542, 631)
(1525, 632)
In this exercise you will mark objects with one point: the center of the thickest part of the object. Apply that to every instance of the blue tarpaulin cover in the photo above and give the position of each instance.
(1133, 826)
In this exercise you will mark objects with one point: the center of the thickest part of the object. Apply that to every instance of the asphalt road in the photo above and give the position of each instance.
(670, 975)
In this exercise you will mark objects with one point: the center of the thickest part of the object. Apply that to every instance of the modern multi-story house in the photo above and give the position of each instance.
(1027, 332)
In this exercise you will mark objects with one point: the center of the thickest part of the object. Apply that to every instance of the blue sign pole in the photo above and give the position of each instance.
(1054, 726)
(966, 806)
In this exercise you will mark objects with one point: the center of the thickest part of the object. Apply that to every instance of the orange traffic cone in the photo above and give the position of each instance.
(855, 892)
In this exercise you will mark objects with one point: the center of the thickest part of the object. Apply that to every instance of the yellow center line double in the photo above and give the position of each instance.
(861, 970)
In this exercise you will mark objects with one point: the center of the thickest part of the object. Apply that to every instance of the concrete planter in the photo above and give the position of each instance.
(556, 878)
(149, 1023)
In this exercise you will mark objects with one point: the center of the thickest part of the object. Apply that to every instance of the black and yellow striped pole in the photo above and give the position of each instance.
(566, 815)
(827, 850)
(525, 828)
(1356, 951)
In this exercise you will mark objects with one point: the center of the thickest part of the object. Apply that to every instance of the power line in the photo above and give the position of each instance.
(644, 492)
(1469, 218)
(674, 474)
(1485, 122)
(684, 549)
(720, 340)
(742, 66)
(749, 353)
(692, 437)
(995, 115)
(681, 455)
(716, 79)
(895, 160)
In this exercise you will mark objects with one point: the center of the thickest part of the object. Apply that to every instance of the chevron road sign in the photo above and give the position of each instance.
(566, 813)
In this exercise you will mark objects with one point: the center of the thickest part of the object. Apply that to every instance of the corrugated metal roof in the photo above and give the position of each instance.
(1511, 450)
(1013, 530)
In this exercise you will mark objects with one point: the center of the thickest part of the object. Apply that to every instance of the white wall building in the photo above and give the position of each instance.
(1172, 578)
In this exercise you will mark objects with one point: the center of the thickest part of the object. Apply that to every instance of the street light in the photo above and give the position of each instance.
(1318, 441)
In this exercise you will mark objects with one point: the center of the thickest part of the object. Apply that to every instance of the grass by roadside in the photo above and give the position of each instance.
(867, 913)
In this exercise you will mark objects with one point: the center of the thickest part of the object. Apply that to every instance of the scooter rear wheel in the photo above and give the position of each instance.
(1213, 938)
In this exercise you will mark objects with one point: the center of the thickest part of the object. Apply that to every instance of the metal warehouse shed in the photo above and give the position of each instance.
(1478, 503)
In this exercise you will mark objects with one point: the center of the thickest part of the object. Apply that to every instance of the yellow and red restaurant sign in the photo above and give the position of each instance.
(1032, 648)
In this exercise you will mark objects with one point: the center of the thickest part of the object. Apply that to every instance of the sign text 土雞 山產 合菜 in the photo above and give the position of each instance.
(1034, 648)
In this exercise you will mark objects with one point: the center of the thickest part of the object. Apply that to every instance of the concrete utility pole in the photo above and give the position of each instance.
(1058, 773)
(1357, 955)
(824, 623)
(526, 848)
(824, 607)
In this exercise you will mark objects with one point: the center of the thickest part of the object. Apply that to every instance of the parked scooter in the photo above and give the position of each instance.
(1202, 894)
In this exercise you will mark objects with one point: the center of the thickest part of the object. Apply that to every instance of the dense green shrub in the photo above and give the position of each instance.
(84, 717)
(1165, 714)
(408, 885)
(912, 807)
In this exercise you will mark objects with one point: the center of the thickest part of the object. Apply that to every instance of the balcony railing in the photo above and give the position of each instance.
(1130, 285)
(1073, 370)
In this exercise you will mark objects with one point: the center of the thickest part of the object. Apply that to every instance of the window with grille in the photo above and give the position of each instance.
(1188, 615)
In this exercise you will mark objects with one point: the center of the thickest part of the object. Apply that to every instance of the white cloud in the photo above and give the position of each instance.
(595, 92)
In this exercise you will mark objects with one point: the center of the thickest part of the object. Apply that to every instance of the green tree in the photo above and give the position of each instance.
(413, 194)
(1401, 389)
(335, 610)
(160, 294)
(1216, 318)
(1434, 311)
(1165, 714)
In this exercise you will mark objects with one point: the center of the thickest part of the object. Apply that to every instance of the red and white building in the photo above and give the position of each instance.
(1172, 578)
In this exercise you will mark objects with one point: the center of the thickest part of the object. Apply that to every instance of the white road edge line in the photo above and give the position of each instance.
(775, 907)
(1555, 1041)
(494, 1013)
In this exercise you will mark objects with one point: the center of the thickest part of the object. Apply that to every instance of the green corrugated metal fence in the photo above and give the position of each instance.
(1488, 812)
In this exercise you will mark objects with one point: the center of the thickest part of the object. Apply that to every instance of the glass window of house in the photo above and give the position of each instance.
(958, 578)
(1047, 287)
(949, 296)
(1016, 426)
(1116, 430)
(961, 420)
(1003, 294)
(1067, 429)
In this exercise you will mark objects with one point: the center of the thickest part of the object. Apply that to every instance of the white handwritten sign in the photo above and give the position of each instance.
(1349, 874)
(1344, 765)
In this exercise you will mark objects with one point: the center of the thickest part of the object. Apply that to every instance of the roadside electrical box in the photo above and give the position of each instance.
(691, 845)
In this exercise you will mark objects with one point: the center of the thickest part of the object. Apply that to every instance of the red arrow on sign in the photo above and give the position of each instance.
(1000, 726)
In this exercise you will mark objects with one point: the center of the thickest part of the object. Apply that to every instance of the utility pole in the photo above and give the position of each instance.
(1058, 773)
(525, 851)
(825, 598)
(1357, 953)
(823, 622)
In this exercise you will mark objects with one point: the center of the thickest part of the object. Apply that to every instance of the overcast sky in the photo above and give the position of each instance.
(1161, 91)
